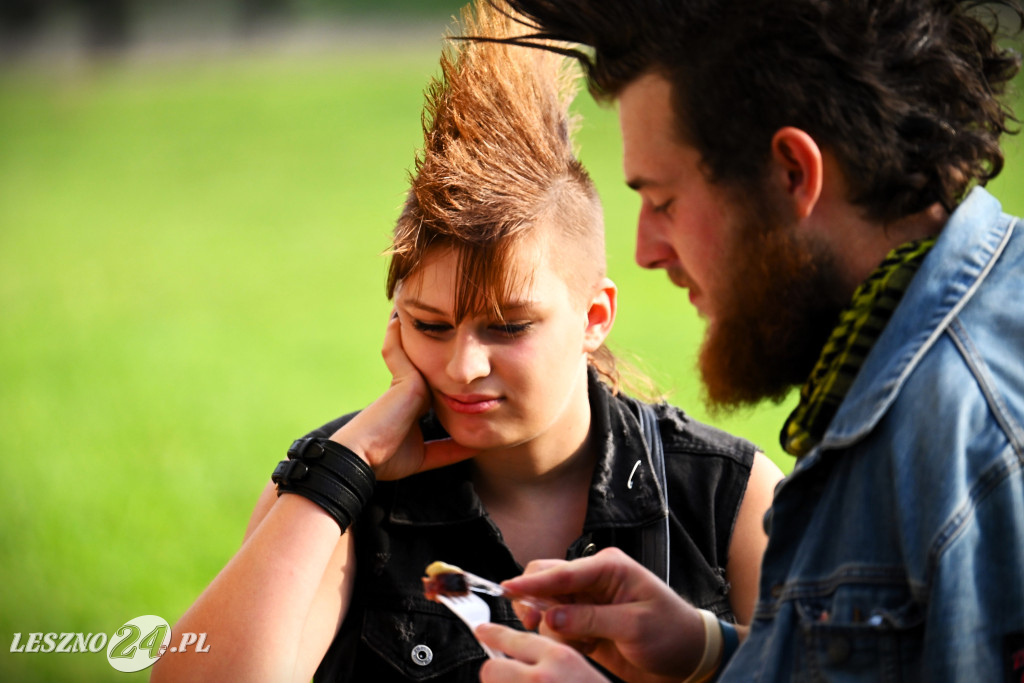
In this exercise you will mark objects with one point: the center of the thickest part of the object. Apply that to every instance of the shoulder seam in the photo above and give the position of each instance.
(979, 370)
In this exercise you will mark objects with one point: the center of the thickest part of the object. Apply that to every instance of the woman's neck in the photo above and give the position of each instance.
(549, 458)
(511, 474)
(537, 492)
(540, 516)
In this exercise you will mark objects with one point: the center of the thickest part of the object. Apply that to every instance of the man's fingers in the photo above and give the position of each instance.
(583, 623)
(599, 575)
(534, 566)
(530, 617)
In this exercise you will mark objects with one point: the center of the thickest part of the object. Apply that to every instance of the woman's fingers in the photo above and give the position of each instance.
(532, 657)
(395, 358)
(520, 645)
(504, 671)
(444, 452)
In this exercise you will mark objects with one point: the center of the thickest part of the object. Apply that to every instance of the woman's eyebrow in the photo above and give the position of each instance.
(526, 305)
(512, 306)
(416, 303)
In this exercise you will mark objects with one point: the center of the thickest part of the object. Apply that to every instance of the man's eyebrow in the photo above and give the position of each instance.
(638, 183)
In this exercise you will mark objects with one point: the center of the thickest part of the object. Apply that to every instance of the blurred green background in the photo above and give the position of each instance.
(191, 227)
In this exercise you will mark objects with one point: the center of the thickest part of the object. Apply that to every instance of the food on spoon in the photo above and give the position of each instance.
(444, 579)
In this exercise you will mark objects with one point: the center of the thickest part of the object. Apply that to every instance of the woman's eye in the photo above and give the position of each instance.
(511, 329)
(430, 328)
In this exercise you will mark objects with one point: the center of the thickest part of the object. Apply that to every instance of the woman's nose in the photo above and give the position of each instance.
(470, 359)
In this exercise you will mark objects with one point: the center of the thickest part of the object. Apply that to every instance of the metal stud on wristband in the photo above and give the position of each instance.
(291, 476)
(330, 475)
(342, 462)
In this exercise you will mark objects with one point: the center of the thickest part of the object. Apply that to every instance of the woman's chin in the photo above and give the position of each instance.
(478, 437)
(480, 442)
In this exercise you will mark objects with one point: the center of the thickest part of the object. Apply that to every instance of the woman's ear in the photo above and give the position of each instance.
(797, 167)
(600, 315)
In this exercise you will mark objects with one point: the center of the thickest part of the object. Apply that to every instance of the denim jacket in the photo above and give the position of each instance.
(393, 633)
(896, 547)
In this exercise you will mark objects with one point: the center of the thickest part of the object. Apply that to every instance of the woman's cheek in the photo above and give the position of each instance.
(421, 354)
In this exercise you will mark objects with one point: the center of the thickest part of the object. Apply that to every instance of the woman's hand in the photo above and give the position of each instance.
(387, 434)
(621, 615)
(532, 658)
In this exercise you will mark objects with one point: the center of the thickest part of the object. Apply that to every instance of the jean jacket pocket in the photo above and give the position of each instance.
(861, 633)
(422, 640)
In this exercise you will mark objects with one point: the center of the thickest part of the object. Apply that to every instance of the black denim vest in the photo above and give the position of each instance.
(393, 633)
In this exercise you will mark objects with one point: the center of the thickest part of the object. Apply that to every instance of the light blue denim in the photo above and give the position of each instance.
(896, 547)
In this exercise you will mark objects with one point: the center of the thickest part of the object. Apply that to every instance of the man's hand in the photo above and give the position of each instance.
(619, 613)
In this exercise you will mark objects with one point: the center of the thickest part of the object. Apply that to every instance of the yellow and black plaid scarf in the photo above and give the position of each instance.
(859, 326)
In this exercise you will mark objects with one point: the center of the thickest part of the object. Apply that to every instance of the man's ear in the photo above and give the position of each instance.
(798, 168)
(600, 315)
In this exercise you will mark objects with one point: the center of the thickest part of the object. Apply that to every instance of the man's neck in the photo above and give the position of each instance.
(861, 244)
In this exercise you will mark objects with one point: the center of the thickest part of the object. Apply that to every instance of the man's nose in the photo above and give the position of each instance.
(652, 250)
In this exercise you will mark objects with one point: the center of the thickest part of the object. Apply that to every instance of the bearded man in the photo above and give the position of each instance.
(811, 172)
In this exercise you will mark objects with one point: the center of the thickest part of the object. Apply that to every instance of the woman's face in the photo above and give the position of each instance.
(501, 383)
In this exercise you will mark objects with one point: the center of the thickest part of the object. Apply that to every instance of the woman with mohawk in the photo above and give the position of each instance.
(502, 438)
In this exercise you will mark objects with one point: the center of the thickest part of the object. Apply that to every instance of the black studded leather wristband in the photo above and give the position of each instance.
(340, 461)
(328, 474)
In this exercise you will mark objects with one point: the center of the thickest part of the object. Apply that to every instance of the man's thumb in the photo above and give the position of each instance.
(583, 621)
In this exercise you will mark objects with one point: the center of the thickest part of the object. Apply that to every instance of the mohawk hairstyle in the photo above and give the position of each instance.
(497, 160)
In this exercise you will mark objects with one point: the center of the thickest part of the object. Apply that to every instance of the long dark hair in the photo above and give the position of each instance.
(906, 93)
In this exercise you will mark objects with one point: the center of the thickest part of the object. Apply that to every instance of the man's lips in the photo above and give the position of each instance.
(679, 278)
(469, 403)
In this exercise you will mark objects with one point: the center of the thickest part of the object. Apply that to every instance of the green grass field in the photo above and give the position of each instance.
(190, 277)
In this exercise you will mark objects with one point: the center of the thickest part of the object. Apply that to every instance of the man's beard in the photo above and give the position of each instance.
(770, 327)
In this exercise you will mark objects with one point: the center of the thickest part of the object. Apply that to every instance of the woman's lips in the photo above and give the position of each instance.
(470, 404)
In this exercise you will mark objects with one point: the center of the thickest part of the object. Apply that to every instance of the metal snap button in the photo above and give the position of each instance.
(589, 550)
(422, 655)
